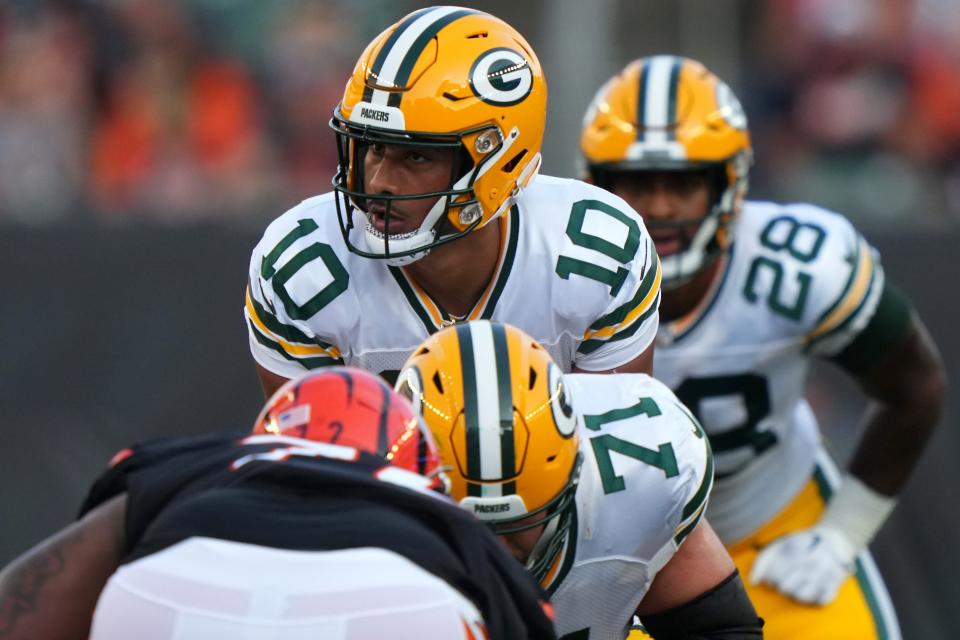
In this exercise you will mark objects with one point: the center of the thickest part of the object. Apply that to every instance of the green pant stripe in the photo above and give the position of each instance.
(866, 586)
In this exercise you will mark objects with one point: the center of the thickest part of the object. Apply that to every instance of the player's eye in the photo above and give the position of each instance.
(417, 156)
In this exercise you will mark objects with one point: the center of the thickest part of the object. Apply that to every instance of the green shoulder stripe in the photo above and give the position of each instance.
(854, 259)
(701, 495)
(309, 363)
(889, 324)
(589, 346)
(285, 331)
(617, 315)
(695, 506)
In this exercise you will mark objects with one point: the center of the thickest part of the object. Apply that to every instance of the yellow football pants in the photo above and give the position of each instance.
(862, 609)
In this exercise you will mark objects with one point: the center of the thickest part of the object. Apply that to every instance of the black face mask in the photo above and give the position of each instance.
(353, 143)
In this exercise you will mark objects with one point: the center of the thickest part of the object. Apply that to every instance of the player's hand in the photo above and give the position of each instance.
(809, 566)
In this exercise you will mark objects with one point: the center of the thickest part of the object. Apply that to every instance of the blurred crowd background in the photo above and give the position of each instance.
(120, 110)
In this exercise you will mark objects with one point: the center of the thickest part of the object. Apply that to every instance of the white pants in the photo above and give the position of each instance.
(208, 589)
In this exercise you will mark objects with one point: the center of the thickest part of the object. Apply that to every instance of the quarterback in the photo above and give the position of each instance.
(597, 483)
(752, 292)
(438, 215)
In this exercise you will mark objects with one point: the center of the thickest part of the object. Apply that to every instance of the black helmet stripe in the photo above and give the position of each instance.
(470, 409)
(505, 392)
(348, 381)
(383, 439)
(488, 405)
(657, 99)
(422, 452)
(373, 75)
(399, 54)
(642, 101)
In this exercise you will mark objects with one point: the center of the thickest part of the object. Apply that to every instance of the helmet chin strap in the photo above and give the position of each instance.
(543, 542)
(679, 268)
(422, 236)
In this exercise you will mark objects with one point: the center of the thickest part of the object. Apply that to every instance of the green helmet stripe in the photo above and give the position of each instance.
(470, 407)
(508, 462)
(395, 60)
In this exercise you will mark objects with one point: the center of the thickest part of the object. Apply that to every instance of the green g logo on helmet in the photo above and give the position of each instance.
(502, 77)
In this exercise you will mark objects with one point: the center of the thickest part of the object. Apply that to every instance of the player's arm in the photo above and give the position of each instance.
(898, 366)
(282, 341)
(51, 590)
(269, 380)
(699, 594)
(908, 383)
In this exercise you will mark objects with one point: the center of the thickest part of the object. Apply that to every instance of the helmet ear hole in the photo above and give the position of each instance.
(512, 164)
(437, 382)
(533, 378)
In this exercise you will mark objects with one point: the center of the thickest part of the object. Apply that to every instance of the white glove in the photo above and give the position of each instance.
(808, 566)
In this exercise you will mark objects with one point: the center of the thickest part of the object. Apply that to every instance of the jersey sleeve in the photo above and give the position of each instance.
(608, 242)
(291, 276)
(848, 283)
(653, 462)
(696, 466)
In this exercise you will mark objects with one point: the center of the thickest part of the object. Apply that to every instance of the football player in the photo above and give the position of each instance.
(752, 293)
(597, 483)
(326, 522)
(438, 215)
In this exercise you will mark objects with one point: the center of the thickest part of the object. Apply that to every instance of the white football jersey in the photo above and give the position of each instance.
(644, 485)
(577, 271)
(798, 282)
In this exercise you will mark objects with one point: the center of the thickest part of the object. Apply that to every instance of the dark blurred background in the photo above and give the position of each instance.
(144, 145)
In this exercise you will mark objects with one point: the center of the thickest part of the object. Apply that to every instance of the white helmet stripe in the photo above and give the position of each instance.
(657, 94)
(387, 74)
(488, 405)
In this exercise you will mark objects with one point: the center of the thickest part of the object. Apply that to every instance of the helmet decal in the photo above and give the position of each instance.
(563, 415)
(502, 77)
(410, 386)
(394, 63)
(487, 407)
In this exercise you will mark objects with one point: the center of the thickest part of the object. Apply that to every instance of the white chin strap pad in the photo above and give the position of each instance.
(549, 532)
(684, 264)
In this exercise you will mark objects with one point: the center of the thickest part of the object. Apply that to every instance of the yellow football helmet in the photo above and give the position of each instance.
(502, 420)
(667, 113)
(444, 77)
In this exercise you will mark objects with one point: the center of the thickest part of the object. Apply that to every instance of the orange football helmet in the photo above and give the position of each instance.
(354, 408)
(445, 77)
